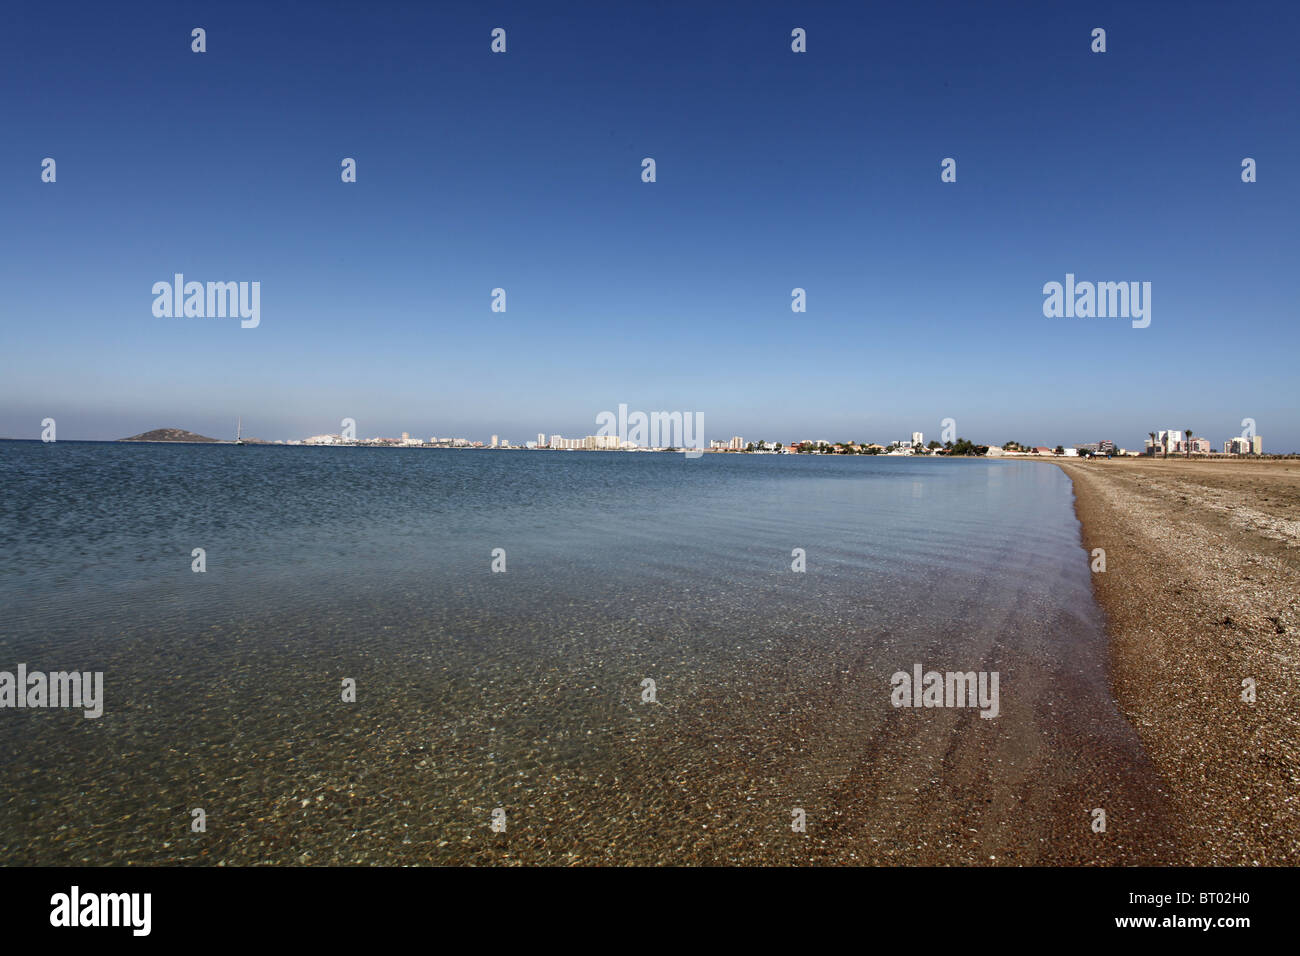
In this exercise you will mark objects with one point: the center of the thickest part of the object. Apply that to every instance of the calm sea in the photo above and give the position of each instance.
(523, 690)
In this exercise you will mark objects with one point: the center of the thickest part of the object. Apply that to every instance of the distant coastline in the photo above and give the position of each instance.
(916, 447)
(962, 449)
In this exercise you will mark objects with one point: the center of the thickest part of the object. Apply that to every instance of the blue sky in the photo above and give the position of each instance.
(775, 170)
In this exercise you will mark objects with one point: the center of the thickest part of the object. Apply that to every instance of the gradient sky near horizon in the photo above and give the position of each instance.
(775, 170)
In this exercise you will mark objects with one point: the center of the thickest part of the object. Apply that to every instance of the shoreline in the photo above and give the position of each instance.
(1201, 592)
(1120, 691)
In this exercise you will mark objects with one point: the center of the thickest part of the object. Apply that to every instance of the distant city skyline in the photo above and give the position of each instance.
(777, 173)
(1248, 442)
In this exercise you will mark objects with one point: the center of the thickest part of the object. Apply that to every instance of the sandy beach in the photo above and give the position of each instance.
(1201, 592)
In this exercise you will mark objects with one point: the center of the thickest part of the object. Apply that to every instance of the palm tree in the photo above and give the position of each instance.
(1164, 441)
(1189, 443)
(1153, 443)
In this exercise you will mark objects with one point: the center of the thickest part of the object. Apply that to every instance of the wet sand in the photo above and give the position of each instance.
(1202, 591)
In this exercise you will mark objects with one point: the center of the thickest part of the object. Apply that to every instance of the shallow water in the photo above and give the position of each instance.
(522, 690)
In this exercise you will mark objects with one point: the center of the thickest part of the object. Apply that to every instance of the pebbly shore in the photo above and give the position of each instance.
(1201, 592)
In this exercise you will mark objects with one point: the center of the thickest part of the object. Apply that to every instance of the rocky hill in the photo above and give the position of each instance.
(169, 434)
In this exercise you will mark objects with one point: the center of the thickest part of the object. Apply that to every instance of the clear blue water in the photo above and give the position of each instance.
(479, 689)
(100, 535)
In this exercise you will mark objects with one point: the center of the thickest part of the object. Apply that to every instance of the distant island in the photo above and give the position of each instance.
(170, 434)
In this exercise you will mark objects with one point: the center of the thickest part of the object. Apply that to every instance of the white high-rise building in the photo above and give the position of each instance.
(918, 438)
(494, 441)
(541, 440)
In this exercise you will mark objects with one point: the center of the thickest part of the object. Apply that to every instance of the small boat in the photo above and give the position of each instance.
(239, 426)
